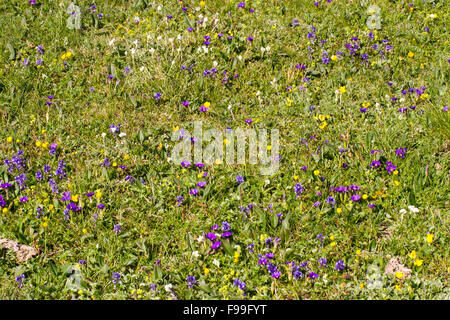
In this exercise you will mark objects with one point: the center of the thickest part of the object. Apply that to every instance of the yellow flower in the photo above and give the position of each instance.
(333, 244)
(98, 194)
(410, 54)
(323, 125)
(365, 196)
(333, 58)
(430, 237)
(342, 89)
(413, 255)
(45, 224)
(205, 270)
(397, 287)
(38, 143)
(316, 172)
(331, 237)
(207, 104)
(5, 210)
(418, 262)
(338, 210)
(202, 3)
(9, 139)
(74, 198)
(399, 275)
(126, 157)
(358, 252)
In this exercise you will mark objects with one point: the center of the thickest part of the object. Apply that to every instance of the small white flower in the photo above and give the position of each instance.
(151, 50)
(240, 58)
(133, 51)
(142, 68)
(122, 134)
(215, 64)
(103, 134)
(216, 263)
(200, 239)
(402, 211)
(205, 49)
(159, 8)
(112, 42)
(168, 287)
(267, 48)
(267, 182)
(263, 49)
(206, 19)
(195, 254)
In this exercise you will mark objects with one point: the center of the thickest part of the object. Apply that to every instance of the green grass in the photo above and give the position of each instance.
(153, 227)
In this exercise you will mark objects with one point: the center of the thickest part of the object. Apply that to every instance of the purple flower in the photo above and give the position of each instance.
(313, 275)
(390, 167)
(191, 281)
(401, 152)
(2, 202)
(66, 196)
(157, 95)
(211, 236)
(241, 4)
(116, 277)
(215, 245)
(239, 179)
(20, 278)
(355, 197)
(185, 164)
(339, 265)
(201, 184)
(298, 189)
(194, 191)
(375, 164)
(117, 228)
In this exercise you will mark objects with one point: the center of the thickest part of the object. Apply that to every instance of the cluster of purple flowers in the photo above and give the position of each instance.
(298, 189)
(241, 285)
(191, 281)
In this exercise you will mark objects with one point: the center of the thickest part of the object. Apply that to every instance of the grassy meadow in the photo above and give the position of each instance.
(92, 95)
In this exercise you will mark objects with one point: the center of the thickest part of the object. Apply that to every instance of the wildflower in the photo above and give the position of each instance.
(191, 281)
(117, 228)
(418, 262)
(339, 265)
(298, 189)
(239, 179)
(116, 277)
(401, 152)
(342, 89)
(19, 280)
(323, 262)
(430, 237)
